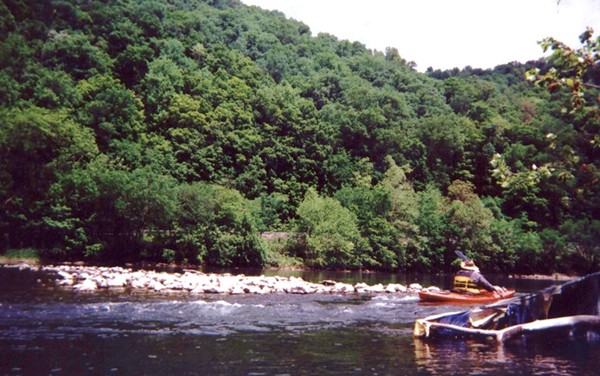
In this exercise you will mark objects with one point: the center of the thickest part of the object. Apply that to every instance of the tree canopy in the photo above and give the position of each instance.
(179, 131)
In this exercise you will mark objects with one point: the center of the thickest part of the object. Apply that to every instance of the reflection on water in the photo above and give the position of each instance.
(541, 358)
(348, 351)
(45, 330)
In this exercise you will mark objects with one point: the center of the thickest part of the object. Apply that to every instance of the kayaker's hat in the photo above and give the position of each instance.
(469, 265)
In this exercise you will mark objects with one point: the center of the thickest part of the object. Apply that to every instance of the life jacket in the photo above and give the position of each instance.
(464, 283)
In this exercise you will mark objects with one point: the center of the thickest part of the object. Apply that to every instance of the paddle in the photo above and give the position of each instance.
(461, 255)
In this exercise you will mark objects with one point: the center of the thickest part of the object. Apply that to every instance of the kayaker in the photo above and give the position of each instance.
(470, 280)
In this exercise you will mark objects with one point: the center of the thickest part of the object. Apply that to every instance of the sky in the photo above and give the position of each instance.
(444, 34)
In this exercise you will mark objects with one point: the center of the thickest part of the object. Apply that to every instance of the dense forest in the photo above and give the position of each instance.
(210, 132)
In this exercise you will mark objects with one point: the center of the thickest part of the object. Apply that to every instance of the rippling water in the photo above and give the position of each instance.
(51, 331)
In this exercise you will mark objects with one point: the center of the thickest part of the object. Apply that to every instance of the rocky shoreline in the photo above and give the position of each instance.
(97, 278)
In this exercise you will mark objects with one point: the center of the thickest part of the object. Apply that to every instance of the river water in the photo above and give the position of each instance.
(46, 330)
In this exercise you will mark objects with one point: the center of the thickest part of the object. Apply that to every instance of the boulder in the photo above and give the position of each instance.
(189, 282)
(395, 287)
(84, 278)
(117, 280)
(86, 285)
(361, 287)
(237, 290)
(343, 288)
(66, 278)
(377, 289)
(156, 285)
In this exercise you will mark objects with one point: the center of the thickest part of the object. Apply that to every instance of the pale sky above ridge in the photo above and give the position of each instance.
(445, 34)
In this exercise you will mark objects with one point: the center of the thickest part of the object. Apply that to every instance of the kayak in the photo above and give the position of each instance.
(561, 312)
(455, 297)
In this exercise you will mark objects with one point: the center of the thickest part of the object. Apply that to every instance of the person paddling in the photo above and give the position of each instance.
(470, 280)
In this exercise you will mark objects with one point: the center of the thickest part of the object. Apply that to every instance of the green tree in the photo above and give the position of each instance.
(468, 224)
(214, 225)
(163, 80)
(131, 65)
(444, 149)
(74, 54)
(432, 228)
(37, 146)
(51, 89)
(371, 206)
(111, 110)
(332, 236)
(582, 241)
(403, 215)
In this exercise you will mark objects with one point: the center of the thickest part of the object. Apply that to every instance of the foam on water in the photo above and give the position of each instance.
(217, 315)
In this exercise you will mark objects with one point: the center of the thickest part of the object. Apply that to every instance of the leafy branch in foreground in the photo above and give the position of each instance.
(573, 69)
(576, 70)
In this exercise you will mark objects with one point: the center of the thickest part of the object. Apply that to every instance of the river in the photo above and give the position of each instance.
(46, 330)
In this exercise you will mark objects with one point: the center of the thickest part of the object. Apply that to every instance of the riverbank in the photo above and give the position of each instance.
(95, 278)
(20, 256)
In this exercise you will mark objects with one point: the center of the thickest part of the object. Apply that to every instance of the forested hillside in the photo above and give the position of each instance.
(180, 130)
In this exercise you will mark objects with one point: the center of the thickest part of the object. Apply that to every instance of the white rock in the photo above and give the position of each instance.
(92, 278)
(378, 288)
(343, 288)
(66, 278)
(64, 275)
(402, 289)
(361, 287)
(86, 285)
(65, 282)
(118, 280)
(266, 290)
(139, 283)
(395, 287)
(197, 290)
(156, 286)
(252, 289)
(237, 290)
(214, 290)
(303, 289)
(189, 282)
(100, 282)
